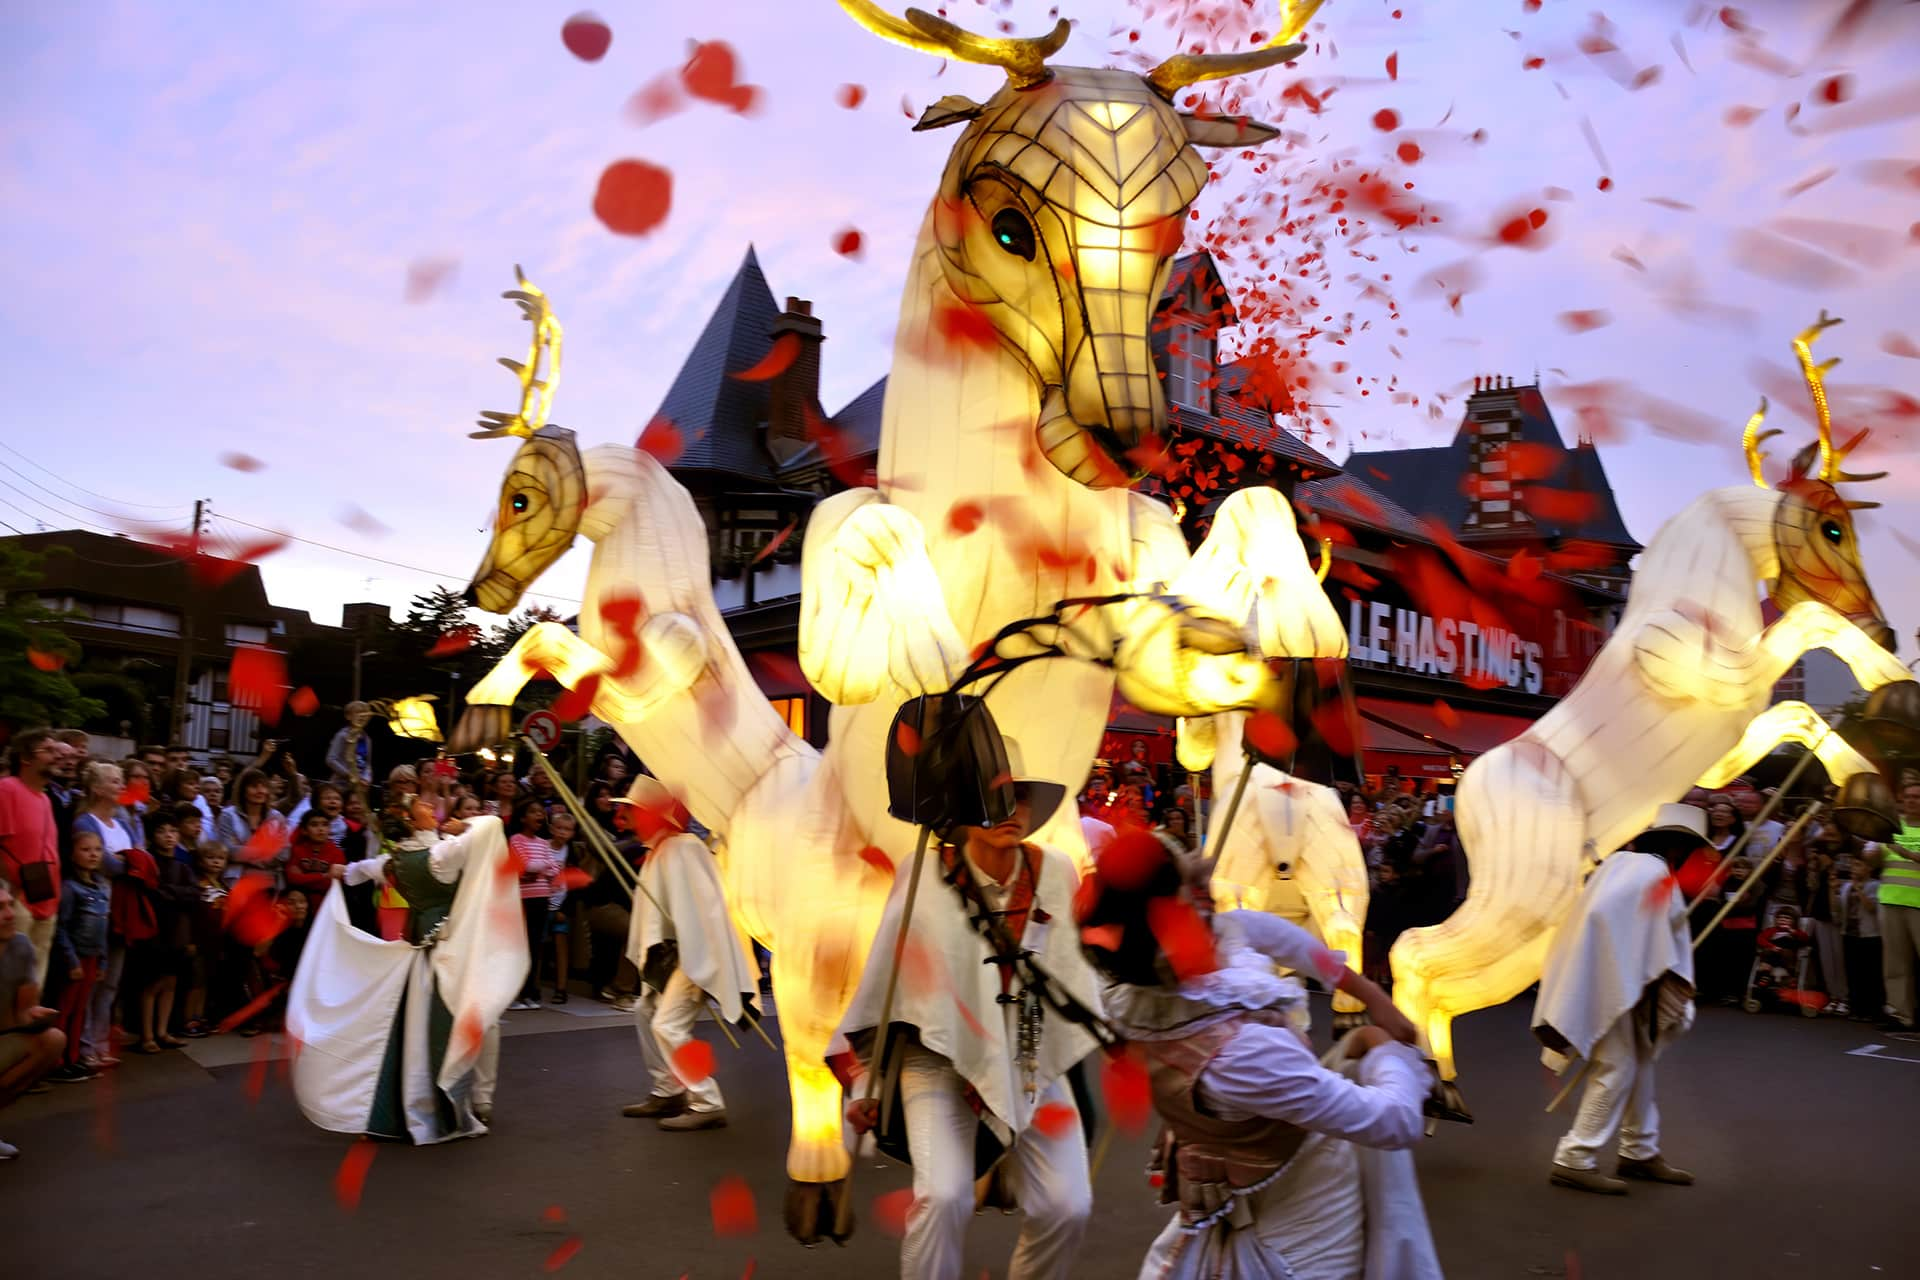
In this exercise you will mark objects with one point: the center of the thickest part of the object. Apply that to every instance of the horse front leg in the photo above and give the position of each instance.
(544, 648)
(1780, 723)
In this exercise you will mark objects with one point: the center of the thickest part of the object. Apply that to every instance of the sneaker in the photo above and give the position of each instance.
(1587, 1180)
(1654, 1170)
(75, 1074)
(690, 1121)
(8, 1151)
(625, 1003)
(521, 1006)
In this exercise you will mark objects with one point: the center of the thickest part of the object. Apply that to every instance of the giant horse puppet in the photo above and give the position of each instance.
(1677, 697)
(1056, 223)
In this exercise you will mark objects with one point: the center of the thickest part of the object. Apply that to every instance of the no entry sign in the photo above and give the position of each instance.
(543, 728)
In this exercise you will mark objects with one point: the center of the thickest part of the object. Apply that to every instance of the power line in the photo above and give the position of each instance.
(60, 517)
(60, 501)
(148, 506)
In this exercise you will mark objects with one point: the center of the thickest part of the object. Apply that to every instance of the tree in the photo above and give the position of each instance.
(34, 655)
(508, 633)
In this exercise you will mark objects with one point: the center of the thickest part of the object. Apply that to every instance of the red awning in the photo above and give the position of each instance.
(777, 673)
(1387, 748)
(1455, 732)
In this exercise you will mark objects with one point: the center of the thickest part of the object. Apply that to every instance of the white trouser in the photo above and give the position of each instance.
(486, 1069)
(1049, 1178)
(97, 1039)
(665, 1022)
(1618, 1098)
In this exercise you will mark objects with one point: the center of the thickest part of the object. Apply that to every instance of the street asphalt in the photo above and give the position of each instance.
(201, 1166)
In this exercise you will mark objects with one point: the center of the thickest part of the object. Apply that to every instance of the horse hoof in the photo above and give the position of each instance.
(817, 1211)
(1446, 1103)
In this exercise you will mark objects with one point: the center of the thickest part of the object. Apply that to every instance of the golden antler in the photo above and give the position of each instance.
(1190, 68)
(1831, 456)
(1325, 566)
(536, 393)
(1023, 59)
(1753, 438)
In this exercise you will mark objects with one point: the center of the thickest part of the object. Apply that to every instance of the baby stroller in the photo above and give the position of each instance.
(1779, 973)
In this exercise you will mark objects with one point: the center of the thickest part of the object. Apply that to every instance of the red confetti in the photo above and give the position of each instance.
(890, 1212)
(693, 1061)
(351, 1178)
(1393, 66)
(240, 1016)
(1131, 858)
(964, 517)
(251, 914)
(304, 701)
(457, 640)
(1585, 321)
(850, 96)
(1562, 506)
(733, 1209)
(562, 1254)
(1128, 1092)
(1106, 936)
(1386, 119)
(712, 74)
(1270, 735)
(1605, 184)
(1658, 895)
(586, 36)
(877, 858)
(1183, 936)
(1898, 344)
(961, 324)
(257, 681)
(553, 1213)
(1834, 89)
(633, 197)
(1739, 117)
(44, 661)
(135, 792)
(776, 541)
(655, 100)
(428, 276)
(575, 878)
(779, 357)
(1409, 152)
(577, 702)
(662, 441)
(1520, 229)
(908, 738)
(242, 462)
(846, 243)
(1055, 1119)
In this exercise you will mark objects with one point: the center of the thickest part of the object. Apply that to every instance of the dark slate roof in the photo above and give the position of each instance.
(1352, 501)
(858, 424)
(94, 565)
(708, 406)
(1198, 268)
(1428, 480)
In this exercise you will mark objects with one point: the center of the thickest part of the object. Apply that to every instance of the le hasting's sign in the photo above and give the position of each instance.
(1546, 656)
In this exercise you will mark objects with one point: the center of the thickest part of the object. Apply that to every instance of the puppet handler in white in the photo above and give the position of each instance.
(1617, 990)
(401, 1039)
(1285, 1165)
(688, 950)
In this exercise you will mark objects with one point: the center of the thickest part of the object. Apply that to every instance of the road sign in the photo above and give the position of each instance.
(543, 727)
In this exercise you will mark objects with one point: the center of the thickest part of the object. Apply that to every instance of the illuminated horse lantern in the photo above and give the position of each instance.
(1677, 697)
(1054, 228)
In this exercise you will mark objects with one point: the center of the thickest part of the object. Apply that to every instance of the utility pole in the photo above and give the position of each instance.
(183, 665)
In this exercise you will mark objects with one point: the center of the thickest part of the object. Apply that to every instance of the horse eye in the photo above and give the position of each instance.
(1831, 530)
(520, 502)
(1012, 232)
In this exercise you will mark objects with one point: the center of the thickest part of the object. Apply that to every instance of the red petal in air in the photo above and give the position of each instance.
(877, 858)
(1129, 1094)
(850, 95)
(44, 661)
(733, 1209)
(586, 36)
(846, 243)
(576, 702)
(351, 1178)
(1445, 714)
(908, 738)
(458, 640)
(304, 701)
(242, 462)
(1270, 735)
(136, 792)
(693, 1061)
(1585, 321)
(662, 441)
(562, 1254)
(1056, 1119)
(633, 197)
(1183, 936)
(782, 354)
(890, 1212)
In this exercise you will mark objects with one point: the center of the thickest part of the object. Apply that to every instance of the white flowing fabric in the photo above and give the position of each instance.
(1628, 929)
(347, 992)
(681, 878)
(951, 997)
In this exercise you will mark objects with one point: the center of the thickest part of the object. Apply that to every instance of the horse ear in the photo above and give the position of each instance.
(1226, 131)
(952, 109)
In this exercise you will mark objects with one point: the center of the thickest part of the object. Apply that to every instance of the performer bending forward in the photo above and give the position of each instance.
(1617, 989)
(968, 1069)
(1285, 1166)
(684, 942)
(401, 1039)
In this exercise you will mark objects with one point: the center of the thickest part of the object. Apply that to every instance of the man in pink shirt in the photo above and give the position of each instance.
(29, 841)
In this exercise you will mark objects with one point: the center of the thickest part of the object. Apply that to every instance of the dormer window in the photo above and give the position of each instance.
(1190, 368)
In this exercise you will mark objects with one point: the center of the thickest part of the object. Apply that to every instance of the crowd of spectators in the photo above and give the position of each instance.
(149, 901)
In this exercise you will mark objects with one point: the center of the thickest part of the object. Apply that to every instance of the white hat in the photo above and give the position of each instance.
(1041, 795)
(1681, 819)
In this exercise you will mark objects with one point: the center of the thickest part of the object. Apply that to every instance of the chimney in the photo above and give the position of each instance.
(794, 392)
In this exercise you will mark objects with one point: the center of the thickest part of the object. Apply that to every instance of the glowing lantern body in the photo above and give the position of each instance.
(1678, 697)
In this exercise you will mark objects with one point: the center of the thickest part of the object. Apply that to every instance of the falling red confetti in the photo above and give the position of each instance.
(661, 440)
(1386, 119)
(1183, 936)
(877, 858)
(964, 517)
(44, 661)
(1520, 230)
(242, 462)
(779, 357)
(257, 682)
(1128, 1092)
(850, 96)
(361, 522)
(457, 640)
(1739, 117)
(562, 1254)
(1585, 321)
(1605, 184)
(135, 792)
(712, 74)
(351, 1178)
(575, 878)
(251, 914)
(1409, 152)
(427, 276)
(1270, 735)
(240, 1016)
(1658, 895)
(1834, 89)
(1393, 66)
(633, 197)
(303, 701)
(1772, 257)
(890, 1212)
(1055, 1119)
(1131, 858)
(586, 36)
(577, 702)
(553, 1213)
(693, 1062)
(733, 1209)
(846, 243)
(776, 541)
(961, 324)
(1898, 344)
(907, 738)
(655, 100)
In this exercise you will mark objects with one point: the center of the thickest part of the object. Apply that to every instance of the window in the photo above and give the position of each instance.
(241, 633)
(1190, 370)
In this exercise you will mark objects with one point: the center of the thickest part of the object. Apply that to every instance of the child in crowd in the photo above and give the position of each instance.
(1780, 947)
(561, 830)
(79, 947)
(192, 827)
(1860, 910)
(209, 933)
(310, 866)
(330, 800)
(537, 868)
(463, 808)
(350, 754)
(166, 960)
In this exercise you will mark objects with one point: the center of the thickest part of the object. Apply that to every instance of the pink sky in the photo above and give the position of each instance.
(214, 215)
